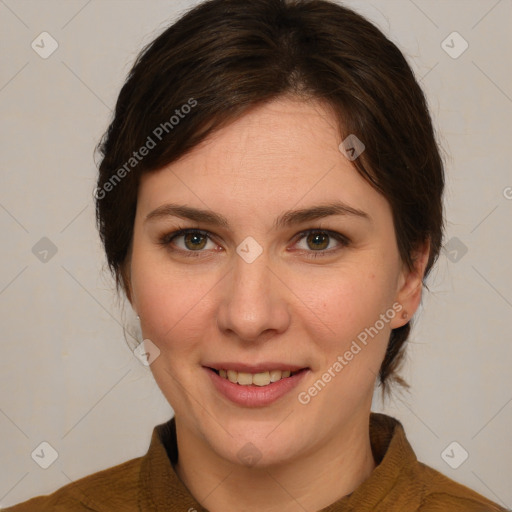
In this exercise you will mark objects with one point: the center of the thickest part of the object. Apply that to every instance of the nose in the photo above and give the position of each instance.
(255, 302)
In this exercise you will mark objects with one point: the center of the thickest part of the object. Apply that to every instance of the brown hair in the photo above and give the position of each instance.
(224, 57)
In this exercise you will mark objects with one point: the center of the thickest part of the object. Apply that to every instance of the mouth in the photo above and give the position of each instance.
(260, 378)
(255, 385)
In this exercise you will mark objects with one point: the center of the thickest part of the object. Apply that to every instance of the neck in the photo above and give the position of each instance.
(312, 482)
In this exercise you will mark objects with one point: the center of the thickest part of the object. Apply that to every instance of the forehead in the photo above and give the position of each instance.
(281, 154)
(271, 139)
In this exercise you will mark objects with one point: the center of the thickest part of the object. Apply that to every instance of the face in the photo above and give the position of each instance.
(261, 290)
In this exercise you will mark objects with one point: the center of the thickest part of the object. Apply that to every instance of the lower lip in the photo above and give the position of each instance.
(255, 396)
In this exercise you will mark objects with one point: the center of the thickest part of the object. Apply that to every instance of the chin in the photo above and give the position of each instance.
(258, 450)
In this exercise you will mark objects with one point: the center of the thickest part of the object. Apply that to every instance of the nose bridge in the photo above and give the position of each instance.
(251, 287)
(250, 272)
(251, 277)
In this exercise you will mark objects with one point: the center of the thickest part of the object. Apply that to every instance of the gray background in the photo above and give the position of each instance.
(67, 376)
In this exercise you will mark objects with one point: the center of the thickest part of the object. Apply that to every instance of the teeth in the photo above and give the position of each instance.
(275, 375)
(257, 379)
(245, 379)
(260, 379)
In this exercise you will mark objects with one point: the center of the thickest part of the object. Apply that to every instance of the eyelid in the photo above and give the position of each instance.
(167, 238)
(343, 240)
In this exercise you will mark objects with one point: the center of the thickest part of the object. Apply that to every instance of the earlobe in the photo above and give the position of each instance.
(411, 287)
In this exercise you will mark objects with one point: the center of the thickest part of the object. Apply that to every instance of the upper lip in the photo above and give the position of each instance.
(253, 368)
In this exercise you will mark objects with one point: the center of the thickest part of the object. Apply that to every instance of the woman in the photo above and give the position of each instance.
(270, 202)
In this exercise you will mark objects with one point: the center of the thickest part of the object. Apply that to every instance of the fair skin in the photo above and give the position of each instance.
(284, 306)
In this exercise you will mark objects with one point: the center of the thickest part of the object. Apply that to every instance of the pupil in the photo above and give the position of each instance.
(316, 236)
(194, 237)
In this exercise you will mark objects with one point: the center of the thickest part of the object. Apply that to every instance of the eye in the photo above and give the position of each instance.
(195, 240)
(320, 240)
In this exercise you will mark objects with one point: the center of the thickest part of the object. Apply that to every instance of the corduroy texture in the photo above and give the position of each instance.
(399, 483)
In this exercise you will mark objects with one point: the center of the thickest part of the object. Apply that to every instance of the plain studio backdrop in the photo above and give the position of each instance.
(67, 376)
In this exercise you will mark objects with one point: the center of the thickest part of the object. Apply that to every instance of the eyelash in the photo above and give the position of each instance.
(166, 240)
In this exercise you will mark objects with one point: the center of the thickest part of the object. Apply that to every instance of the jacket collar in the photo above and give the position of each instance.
(160, 485)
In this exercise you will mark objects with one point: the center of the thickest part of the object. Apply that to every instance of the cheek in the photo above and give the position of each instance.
(346, 337)
(171, 305)
(346, 301)
(346, 333)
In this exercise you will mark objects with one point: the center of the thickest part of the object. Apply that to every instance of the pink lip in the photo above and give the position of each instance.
(255, 396)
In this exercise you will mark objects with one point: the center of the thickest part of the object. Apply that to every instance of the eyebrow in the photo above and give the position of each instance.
(287, 219)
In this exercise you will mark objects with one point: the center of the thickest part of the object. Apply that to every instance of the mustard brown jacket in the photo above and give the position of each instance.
(150, 483)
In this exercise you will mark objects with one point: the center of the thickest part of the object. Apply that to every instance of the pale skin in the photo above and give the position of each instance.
(285, 306)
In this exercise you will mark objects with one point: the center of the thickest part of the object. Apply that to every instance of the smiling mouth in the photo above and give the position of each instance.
(256, 379)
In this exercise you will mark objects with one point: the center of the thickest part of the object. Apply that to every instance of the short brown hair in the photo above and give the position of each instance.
(228, 56)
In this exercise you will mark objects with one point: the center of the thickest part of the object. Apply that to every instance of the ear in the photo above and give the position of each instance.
(410, 286)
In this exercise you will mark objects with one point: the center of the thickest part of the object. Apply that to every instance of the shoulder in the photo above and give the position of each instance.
(111, 489)
(440, 493)
(402, 482)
